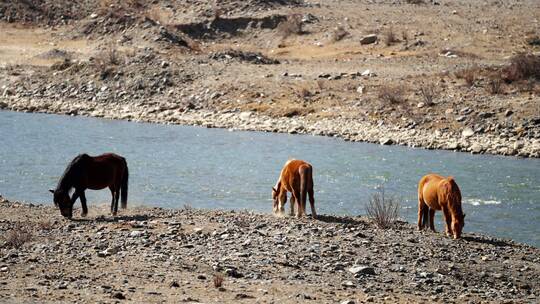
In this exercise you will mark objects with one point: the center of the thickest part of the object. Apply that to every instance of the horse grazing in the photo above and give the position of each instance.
(88, 172)
(297, 178)
(438, 193)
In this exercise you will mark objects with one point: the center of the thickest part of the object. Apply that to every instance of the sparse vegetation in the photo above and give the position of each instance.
(292, 26)
(17, 236)
(45, 225)
(469, 75)
(159, 16)
(390, 37)
(218, 280)
(495, 85)
(429, 93)
(392, 94)
(522, 67)
(339, 34)
(383, 210)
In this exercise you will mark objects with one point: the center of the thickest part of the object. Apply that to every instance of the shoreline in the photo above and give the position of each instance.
(346, 129)
(171, 255)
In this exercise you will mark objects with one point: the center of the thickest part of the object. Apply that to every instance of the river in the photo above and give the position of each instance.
(174, 166)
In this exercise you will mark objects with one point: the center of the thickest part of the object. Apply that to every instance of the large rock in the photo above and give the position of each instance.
(362, 270)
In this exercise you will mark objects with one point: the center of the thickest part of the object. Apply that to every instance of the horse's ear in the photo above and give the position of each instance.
(464, 215)
(51, 191)
(274, 189)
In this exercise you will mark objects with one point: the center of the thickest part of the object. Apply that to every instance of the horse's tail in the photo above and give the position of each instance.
(124, 188)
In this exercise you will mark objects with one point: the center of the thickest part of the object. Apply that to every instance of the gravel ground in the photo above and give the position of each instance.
(212, 256)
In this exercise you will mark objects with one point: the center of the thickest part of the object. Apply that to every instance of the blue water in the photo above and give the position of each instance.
(173, 166)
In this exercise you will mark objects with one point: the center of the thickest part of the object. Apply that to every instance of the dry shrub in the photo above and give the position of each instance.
(339, 34)
(469, 75)
(495, 85)
(392, 94)
(429, 93)
(390, 37)
(304, 93)
(383, 209)
(415, 1)
(16, 237)
(293, 25)
(218, 280)
(109, 56)
(159, 16)
(522, 67)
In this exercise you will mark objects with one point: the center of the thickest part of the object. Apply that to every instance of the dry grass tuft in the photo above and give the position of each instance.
(383, 210)
(390, 37)
(495, 85)
(293, 25)
(429, 93)
(16, 237)
(159, 16)
(469, 75)
(392, 94)
(339, 34)
(218, 280)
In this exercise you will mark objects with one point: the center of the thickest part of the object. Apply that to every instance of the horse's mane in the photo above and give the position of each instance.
(453, 196)
(71, 171)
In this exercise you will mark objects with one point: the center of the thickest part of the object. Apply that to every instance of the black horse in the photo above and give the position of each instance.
(88, 172)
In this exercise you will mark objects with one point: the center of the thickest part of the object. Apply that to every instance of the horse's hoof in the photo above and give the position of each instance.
(84, 214)
(114, 214)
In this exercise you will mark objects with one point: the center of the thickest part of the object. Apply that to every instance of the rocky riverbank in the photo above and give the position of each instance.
(211, 256)
(348, 129)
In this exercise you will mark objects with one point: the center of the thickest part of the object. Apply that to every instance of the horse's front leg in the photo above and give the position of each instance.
(421, 212)
(83, 203)
(448, 220)
(112, 202)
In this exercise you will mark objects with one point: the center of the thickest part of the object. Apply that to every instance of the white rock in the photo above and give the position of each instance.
(467, 132)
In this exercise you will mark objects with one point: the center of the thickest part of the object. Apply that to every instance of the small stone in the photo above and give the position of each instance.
(369, 39)
(93, 15)
(421, 105)
(362, 270)
(348, 302)
(360, 90)
(136, 233)
(386, 141)
(119, 296)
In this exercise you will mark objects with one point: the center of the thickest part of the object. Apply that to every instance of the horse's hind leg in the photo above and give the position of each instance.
(422, 211)
(116, 199)
(312, 203)
(299, 207)
(431, 219)
(293, 202)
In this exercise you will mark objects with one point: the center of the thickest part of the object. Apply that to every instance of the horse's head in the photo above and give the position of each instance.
(457, 226)
(63, 202)
(277, 198)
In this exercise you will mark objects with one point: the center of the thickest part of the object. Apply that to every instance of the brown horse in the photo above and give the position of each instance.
(438, 193)
(297, 178)
(87, 172)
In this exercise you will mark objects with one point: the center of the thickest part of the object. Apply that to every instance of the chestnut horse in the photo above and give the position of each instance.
(88, 172)
(297, 178)
(438, 193)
